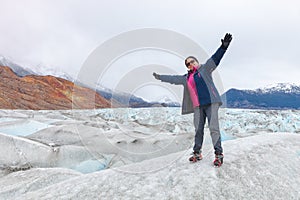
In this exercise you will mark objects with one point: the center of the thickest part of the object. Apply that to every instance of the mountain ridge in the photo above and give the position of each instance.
(117, 98)
(274, 96)
(45, 93)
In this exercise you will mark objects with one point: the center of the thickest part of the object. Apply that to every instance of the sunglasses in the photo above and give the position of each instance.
(188, 64)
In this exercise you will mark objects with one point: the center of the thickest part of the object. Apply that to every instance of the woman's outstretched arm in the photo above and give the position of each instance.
(173, 79)
(212, 63)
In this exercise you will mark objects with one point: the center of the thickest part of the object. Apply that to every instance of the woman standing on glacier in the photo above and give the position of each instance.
(201, 97)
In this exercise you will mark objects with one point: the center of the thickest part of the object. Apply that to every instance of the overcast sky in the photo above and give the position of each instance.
(63, 33)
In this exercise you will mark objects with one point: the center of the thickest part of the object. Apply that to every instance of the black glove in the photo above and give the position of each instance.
(156, 75)
(226, 41)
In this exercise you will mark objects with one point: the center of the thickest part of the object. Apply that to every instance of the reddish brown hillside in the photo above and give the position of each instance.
(45, 93)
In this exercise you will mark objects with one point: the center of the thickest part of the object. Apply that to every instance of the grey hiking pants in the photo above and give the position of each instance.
(211, 113)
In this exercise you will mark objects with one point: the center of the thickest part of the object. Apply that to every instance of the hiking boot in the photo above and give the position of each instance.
(196, 156)
(218, 160)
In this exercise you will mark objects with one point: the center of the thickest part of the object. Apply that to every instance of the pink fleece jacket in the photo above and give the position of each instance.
(192, 88)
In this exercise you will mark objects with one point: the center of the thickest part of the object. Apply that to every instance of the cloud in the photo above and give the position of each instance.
(63, 33)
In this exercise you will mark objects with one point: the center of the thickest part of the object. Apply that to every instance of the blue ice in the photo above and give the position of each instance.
(90, 166)
(24, 128)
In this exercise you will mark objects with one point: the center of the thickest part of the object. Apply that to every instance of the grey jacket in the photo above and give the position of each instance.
(205, 70)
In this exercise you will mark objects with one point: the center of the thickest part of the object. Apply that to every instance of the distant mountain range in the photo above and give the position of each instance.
(118, 99)
(19, 70)
(275, 96)
(128, 100)
(45, 93)
(34, 70)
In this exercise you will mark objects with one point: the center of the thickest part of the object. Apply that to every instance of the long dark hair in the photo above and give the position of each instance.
(188, 58)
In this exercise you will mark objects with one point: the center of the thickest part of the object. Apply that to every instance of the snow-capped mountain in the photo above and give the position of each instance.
(287, 88)
(41, 70)
(130, 100)
(44, 93)
(44, 71)
(167, 101)
(120, 98)
(19, 70)
(275, 96)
